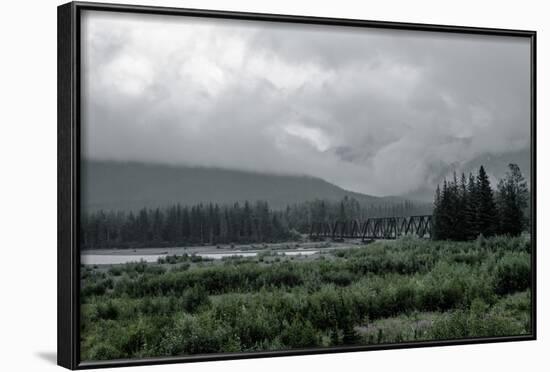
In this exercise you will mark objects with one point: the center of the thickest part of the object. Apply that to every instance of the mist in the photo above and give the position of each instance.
(380, 112)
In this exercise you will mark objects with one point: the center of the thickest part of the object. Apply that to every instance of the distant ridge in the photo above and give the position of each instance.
(129, 186)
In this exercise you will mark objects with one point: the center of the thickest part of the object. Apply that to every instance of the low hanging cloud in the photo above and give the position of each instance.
(375, 111)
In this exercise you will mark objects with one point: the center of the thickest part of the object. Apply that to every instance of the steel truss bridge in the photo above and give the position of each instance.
(374, 228)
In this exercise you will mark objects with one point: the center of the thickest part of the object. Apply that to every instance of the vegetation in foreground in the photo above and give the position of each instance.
(385, 292)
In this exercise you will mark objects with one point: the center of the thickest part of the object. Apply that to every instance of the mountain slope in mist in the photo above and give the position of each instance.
(130, 186)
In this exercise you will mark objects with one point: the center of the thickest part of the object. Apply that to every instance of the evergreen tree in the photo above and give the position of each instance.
(486, 207)
(185, 224)
(470, 209)
(462, 202)
(466, 208)
(342, 215)
(436, 230)
(157, 226)
(512, 200)
(455, 218)
(443, 221)
(143, 227)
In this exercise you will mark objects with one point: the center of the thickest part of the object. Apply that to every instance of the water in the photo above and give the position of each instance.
(219, 256)
(113, 259)
(297, 253)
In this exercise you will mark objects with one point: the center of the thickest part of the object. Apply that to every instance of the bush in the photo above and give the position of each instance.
(197, 335)
(107, 310)
(299, 334)
(115, 270)
(341, 277)
(103, 351)
(96, 288)
(512, 273)
(193, 298)
(478, 321)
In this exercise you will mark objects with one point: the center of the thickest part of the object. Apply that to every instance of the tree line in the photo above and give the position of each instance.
(301, 216)
(464, 208)
(469, 207)
(182, 225)
(213, 224)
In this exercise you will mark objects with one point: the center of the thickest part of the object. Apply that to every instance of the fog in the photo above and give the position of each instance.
(381, 112)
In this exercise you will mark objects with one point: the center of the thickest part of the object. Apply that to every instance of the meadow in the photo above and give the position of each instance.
(382, 292)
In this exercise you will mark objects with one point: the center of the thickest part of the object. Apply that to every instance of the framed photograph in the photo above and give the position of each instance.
(238, 185)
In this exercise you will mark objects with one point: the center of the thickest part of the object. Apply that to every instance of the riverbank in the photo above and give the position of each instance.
(120, 256)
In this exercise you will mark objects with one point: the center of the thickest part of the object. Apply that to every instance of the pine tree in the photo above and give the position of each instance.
(454, 210)
(224, 226)
(461, 223)
(342, 216)
(186, 224)
(210, 223)
(157, 226)
(443, 223)
(436, 230)
(143, 228)
(470, 209)
(247, 221)
(486, 207)
(512, 200)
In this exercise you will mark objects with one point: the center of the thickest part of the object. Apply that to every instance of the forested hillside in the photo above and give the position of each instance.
(132, 186)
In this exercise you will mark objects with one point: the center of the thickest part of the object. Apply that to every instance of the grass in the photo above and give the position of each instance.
(386, 292)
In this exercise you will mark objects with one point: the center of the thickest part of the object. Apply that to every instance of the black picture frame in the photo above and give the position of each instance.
(69, 108)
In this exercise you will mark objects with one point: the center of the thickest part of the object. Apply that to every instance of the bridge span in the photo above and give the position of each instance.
(374, 228)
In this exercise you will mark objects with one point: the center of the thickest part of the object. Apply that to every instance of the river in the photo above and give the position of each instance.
(113, 259)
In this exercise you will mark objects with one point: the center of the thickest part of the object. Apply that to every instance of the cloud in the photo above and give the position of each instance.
(375, 111)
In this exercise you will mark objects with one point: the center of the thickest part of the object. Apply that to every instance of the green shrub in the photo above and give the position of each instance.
(299, 334)
(96, 288)
(106, 310)
(193, 298)
(197, 335)
(341, 277)
(103, 351)
(512, 273)
(478, 321)
(115, 270)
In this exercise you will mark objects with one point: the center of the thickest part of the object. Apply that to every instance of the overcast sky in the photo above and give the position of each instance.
(381, 112)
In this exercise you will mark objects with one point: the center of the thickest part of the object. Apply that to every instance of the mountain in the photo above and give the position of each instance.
(496, 166)
(129, 186)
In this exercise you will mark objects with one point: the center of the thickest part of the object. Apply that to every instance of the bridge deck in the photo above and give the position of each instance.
(374, 228)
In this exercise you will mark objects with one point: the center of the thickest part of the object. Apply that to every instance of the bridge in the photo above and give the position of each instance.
(374, 228)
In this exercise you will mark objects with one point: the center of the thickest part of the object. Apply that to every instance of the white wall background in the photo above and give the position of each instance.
(28, 184)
